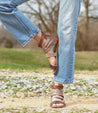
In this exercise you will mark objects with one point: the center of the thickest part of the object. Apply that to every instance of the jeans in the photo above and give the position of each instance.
(24, 30)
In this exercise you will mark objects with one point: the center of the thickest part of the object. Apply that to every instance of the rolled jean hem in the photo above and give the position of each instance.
(64, 82)
(29, 38)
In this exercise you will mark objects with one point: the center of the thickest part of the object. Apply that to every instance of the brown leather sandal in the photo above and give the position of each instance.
(57, 96)
(50, 48)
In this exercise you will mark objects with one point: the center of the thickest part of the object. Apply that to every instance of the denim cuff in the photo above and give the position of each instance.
(29, 38)
(63, 82)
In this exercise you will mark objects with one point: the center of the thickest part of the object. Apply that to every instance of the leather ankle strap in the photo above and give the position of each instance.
(56, 87)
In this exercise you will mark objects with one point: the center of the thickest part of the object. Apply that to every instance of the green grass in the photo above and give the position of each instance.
(22, 59)
(18, 59)
(86, 61)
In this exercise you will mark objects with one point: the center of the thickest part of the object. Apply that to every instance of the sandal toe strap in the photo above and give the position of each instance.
(57, 92)
(56, 101)
(40, 42)
(57, 97)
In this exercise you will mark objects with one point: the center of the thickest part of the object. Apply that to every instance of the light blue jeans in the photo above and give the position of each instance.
(24, 30)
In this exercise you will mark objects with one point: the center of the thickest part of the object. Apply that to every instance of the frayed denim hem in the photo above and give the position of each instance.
(64, 82)
(29, 39)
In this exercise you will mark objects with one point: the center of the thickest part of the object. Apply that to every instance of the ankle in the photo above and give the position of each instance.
(58, 84)
(38, 37)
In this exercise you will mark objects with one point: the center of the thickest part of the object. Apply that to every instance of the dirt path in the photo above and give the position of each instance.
(42, 102)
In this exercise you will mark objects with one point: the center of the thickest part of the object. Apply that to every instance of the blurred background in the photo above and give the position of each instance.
(44, 14)
(25, 76)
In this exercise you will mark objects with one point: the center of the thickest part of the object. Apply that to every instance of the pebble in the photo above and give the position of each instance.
(31, 94)
(34, 84)
(94, 90)
(40, 109)
(20, 95)
(73, 88)
(1, 101)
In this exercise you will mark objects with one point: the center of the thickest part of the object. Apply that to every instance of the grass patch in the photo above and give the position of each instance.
(86, 61)
(18, 59)
(22, 59)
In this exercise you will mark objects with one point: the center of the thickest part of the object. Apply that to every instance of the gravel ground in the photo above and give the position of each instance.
(32, 91)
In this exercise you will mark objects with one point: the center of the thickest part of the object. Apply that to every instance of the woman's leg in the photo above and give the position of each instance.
(20, 26)
(67, 29)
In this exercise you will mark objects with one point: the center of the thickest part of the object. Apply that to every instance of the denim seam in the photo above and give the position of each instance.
(19, 19)
(29, 34)
(11, 2)
(27, 31)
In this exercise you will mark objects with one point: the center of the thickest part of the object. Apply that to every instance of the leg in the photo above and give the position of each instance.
(67, 29)
(20, 26)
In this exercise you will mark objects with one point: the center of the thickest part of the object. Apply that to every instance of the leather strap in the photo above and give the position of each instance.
(40, 43)
(56, 87)
(41, 40)
(57, 95)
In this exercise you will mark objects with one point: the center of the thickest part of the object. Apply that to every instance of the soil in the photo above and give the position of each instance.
(90, 103)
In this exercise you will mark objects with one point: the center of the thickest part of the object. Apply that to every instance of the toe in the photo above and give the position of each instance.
(52, 60)
(57, 105)
(60, 105)
(54, 105)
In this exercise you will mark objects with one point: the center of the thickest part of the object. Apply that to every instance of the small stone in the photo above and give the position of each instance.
(31, 94)
(85, 88)
(12, 100)
(2, 95)
(86, 94)
(0, 101)
(67, 97)
(20, 95)
(40, 109)
(64, 111)
(94, 90)
(75, 96)
(23, 89)
(73, 88)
